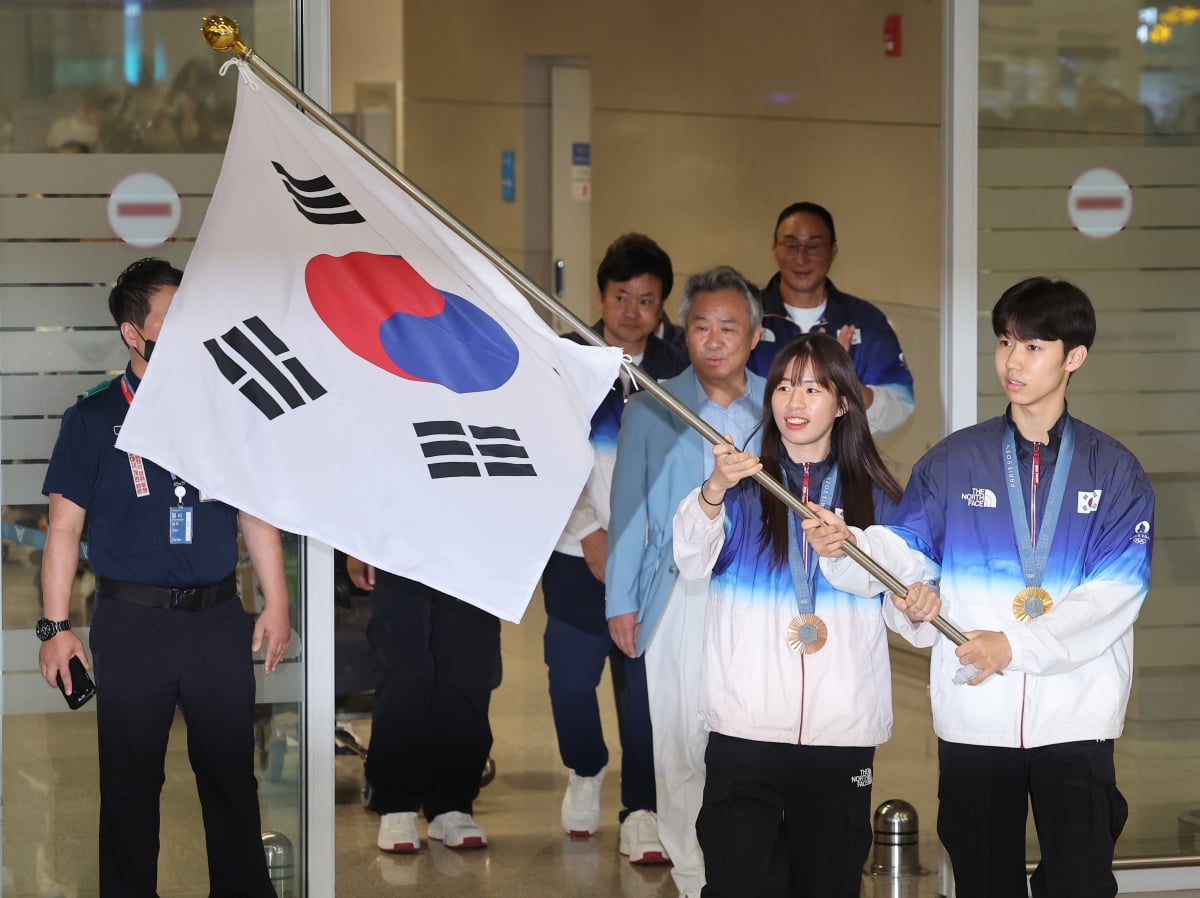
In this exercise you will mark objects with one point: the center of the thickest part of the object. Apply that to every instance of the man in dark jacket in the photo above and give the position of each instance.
(801, 298)
(634, 279)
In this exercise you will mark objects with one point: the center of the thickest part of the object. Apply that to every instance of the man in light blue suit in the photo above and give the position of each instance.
(660, 459)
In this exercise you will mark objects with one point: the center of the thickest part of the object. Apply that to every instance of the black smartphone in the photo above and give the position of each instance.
(83, 687)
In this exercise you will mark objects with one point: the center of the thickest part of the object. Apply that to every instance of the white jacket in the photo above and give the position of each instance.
(752, 684)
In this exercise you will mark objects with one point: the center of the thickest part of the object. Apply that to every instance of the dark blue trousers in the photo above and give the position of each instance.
(577, 645)
(147, 662)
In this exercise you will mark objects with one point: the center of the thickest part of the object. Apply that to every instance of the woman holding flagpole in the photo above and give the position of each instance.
(795, 683)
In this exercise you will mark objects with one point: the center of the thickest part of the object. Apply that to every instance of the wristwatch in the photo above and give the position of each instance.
(45, 629)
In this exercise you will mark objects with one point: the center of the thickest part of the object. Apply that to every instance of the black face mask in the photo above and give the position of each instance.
(149, 344)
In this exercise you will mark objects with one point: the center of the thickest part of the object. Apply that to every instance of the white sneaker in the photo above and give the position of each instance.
(581, 804)
(639, 839)
(398, 833)
(454, 829)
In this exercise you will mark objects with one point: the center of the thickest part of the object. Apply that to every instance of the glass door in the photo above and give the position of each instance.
(93, 95)
(1074, 146)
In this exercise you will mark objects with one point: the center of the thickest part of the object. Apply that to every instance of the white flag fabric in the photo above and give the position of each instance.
(339, 363)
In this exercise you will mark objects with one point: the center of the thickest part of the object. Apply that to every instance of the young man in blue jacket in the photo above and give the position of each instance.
(1039, 528)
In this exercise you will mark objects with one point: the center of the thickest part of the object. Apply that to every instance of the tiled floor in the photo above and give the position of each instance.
(49, 808)
(530, 856)
(528, 852)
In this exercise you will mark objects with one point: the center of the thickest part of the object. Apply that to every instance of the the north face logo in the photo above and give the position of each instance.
(980, 497)
(863, 779)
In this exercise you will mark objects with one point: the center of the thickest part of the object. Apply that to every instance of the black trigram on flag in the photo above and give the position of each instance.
(285, 376)
(456, 451)
(314, 201)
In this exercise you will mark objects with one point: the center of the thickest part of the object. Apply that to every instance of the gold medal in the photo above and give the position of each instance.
(806, 634)
(1031, 602)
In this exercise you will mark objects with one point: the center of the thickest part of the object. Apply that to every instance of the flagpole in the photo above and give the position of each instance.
(223, 34)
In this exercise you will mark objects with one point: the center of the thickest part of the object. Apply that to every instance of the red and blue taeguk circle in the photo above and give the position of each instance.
(383, 311)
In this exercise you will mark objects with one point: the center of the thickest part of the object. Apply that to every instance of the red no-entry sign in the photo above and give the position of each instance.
(1099, 203)
(144, 209)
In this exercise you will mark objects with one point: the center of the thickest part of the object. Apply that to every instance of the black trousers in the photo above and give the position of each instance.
(439, 660)
(784, 820)
(1077, 811)
(147, 662)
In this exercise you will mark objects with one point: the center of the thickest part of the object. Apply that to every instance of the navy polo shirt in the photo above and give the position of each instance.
(128, 534)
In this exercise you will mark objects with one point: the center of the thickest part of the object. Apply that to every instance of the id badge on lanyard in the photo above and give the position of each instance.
(179, 517)
(180, 526)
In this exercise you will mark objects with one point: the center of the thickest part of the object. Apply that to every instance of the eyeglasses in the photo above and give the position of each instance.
(814, 249)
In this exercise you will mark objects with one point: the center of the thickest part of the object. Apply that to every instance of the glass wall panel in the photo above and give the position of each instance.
(125, 76)
(92, 92)
(1089, 134)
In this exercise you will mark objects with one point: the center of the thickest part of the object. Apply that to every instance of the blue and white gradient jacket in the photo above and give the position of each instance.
(875, 350)
(1071, 667)
(752, 684)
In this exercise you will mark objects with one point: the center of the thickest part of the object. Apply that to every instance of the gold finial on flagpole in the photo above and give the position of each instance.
(223, 34)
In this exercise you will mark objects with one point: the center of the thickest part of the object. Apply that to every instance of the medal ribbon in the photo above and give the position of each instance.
(802, 575)
(1033, 560)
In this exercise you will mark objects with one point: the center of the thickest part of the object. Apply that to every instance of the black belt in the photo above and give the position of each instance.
(196, 598)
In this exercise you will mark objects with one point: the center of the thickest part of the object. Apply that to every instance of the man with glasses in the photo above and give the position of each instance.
(800, 298)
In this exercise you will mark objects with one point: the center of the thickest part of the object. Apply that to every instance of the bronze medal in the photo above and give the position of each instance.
(807, 634)
(1031, 602)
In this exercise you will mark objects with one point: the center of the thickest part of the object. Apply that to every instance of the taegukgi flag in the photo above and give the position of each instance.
(344, 366)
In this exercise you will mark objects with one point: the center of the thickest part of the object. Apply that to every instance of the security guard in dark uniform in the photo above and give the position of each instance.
(168, 630)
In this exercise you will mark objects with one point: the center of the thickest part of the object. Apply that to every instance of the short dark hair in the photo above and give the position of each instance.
(631, 256)
(129, 299)
(811, 209)
(1039, 308)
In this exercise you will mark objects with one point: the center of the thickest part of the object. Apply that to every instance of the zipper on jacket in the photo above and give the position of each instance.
(1024, 682)
(1034, 480)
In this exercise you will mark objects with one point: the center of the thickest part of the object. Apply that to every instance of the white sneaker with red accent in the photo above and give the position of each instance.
(581, 804)
(639, 839)
(454, 829)
(398, 833)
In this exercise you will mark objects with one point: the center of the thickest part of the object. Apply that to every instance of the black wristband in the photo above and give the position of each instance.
(704, 498)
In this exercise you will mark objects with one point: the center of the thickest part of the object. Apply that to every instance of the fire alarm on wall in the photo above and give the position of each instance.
(891, 36)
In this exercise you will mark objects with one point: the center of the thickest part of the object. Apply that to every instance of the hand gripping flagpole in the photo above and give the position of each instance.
(223, 34)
